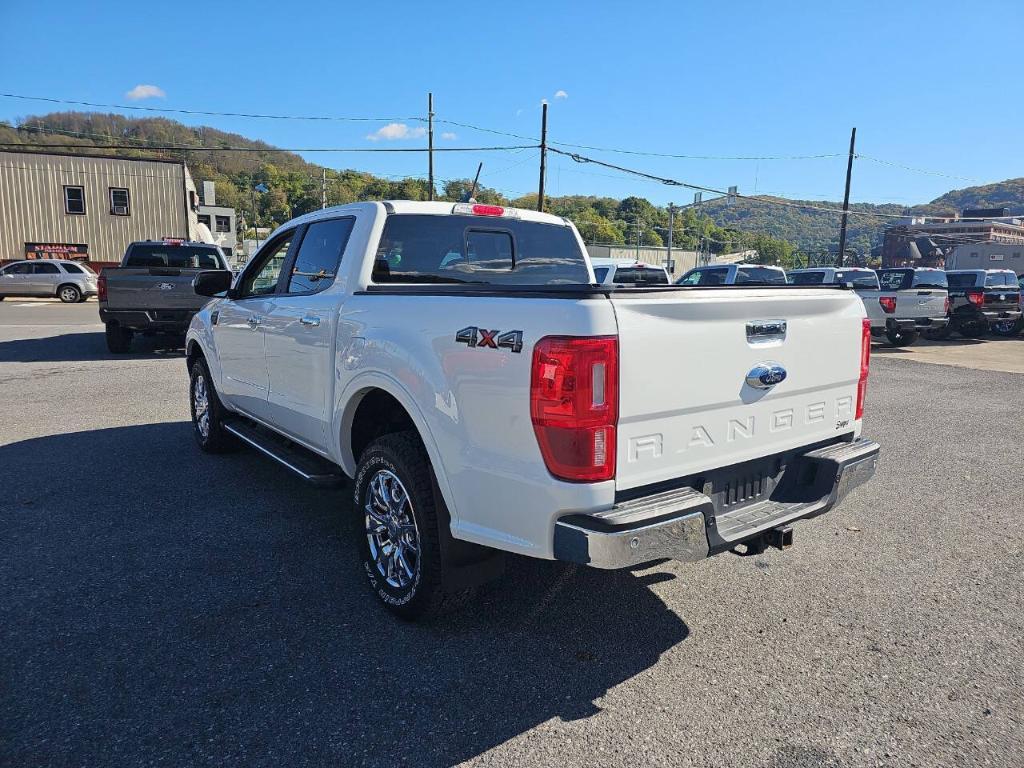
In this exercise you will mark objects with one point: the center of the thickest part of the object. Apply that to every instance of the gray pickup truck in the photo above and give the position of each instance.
(151, 292)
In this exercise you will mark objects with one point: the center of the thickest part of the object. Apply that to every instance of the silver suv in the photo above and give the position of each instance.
(69, 281)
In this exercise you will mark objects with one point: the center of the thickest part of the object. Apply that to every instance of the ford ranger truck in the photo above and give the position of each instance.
(462, 366)
(151, 292)
(909, 302)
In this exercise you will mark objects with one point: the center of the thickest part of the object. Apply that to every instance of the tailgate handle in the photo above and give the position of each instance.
(764, 330)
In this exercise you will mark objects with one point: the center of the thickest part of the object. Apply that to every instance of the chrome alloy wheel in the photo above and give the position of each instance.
(69, 294)
(201, 406)
(391, 530)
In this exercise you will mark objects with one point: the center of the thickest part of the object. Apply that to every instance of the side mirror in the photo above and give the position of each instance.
(212, 282)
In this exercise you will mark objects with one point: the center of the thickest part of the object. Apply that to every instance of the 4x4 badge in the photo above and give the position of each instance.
(481, 337)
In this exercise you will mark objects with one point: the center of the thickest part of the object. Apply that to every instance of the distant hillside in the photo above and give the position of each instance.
(295, 188)
(813, 231)
(1003, 194)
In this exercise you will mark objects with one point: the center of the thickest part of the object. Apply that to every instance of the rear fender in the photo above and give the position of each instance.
(344, 415)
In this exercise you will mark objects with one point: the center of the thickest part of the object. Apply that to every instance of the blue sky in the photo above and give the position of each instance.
(928, 85)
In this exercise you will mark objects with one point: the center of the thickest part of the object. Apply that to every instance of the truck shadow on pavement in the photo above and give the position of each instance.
(167, 607)
(77, 347)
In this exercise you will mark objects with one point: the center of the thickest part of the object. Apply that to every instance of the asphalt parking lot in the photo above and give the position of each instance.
(163, 607)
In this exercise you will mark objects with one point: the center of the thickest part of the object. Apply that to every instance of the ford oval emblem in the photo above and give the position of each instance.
(766, 375)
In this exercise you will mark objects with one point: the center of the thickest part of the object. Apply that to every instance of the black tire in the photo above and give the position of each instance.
(973, 329)
(939, 334)
(119, 340)
(1006, 329)
(402, 456)
(898, 338)
(211, 436)
(69, 294)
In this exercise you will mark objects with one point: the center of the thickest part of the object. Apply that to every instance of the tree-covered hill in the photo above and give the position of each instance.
(776, 228)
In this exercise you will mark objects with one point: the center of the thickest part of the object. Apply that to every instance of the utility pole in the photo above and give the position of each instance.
(430, 145)
(543, 153)
(671, 223)
(255, 220)
(323, 189)
(846, 200)
(638, 237)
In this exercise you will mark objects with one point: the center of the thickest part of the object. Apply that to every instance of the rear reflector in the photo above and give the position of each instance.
(865, 365)
(101, 287)
(888, 304)
(574, 403)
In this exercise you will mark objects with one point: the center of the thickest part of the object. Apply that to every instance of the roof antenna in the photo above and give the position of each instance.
(469, 197)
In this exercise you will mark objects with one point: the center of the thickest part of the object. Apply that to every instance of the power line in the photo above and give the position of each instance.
(919, 170)
(755, 198)
(205, 148)
(698, 157)
(168, 110)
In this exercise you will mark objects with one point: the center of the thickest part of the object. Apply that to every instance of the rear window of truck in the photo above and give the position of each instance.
(806, 278)
(421, 248)
(715, 276)
(176, 256)
(760, 276)
(640, 276)
(858, 279)
(962, 280)
(1000, 279)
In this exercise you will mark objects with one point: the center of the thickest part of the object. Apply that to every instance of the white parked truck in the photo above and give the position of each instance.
(461, 364)
(910, 301)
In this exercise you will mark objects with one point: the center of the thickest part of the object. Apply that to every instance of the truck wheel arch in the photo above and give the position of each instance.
(369, 397)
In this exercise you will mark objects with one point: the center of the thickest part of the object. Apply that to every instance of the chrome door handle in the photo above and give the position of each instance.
(254, 321)
(310, 321)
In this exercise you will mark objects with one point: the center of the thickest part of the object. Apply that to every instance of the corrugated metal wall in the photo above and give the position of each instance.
(32, 202)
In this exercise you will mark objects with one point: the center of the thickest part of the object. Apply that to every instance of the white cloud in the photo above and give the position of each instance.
(449, 136)
(397, 132)
(560, 94)
(145, 92)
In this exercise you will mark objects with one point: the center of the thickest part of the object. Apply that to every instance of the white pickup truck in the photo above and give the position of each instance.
(900, 303)
(461, 364)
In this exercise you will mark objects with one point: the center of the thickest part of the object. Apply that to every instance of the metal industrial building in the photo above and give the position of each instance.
(89, 207)
(985, 238)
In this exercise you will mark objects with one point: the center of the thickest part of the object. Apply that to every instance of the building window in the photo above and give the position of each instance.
(119, 201)
(74, 200)
(223, 223)
(204, 218)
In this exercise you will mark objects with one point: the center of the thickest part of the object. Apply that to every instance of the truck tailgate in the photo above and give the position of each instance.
(152, 288)
(684, 357)
(921, 302)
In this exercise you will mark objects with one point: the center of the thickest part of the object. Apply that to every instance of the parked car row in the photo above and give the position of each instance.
(901, 303)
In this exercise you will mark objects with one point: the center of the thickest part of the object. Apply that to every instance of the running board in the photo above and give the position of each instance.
(306, 464)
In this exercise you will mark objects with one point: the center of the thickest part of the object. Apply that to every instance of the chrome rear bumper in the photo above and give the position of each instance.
(687, 525)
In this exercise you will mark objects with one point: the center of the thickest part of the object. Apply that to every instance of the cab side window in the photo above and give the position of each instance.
(316, 263)
(262, 277)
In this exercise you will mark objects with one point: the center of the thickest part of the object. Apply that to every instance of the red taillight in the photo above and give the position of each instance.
(888, 304)
(977, 298)
(574, 405)
(101, 287)
(865, 365)
(948, 306)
